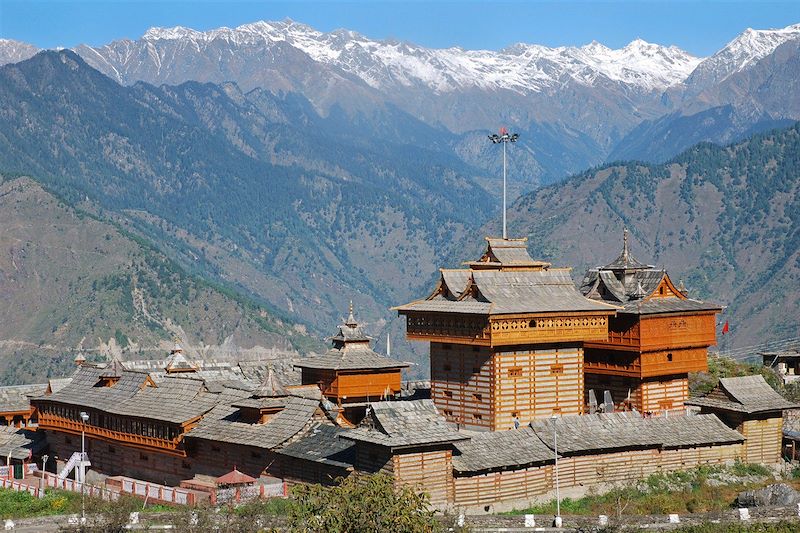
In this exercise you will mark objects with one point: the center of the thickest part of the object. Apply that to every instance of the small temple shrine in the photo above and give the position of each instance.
(351, 374)
(657, 337)
(506, 338)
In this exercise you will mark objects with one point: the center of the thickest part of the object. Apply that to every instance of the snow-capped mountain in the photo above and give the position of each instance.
(15, 51)
(739, 55)
(383, 65)
(576, 103)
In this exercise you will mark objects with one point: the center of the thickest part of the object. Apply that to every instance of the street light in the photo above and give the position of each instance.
(557, 521)
(82, 465)
(504, 138)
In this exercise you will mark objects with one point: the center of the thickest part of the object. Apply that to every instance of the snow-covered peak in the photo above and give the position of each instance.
(14, 51)
(746, 49)
(522, 67)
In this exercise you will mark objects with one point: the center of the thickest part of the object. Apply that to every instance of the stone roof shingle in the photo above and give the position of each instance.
(404, 423)
(746, 394)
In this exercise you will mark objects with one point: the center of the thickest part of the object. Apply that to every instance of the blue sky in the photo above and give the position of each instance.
(699, 27)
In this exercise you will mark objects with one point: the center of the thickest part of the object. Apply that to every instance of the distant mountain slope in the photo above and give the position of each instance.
(71, 283)
(748, 87)
(253, 189)
(576, 106)
(725, 220)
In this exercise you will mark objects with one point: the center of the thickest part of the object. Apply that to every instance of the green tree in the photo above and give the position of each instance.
(359, 503)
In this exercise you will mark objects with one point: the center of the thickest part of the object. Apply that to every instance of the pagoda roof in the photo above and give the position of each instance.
(270, 386)
(626, 261)
(507, 254)
(633, 285)
(351, 351)
(352, 358)
(177, 361)
(499, 292)
(506, 280)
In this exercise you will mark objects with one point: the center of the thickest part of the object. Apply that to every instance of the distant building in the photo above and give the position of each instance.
(657, 337)
(506, 338)
(785, 362)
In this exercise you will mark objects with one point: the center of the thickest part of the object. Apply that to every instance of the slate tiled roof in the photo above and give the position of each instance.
(455, 281)
(174, 399)
(507, 253)
(81, 390)
(628, 430)
(497, 292)
(222, 424)
(506, 280)
(20, 443)
(629, 283)
(668, 305)
(321, 444)
(500, 449)
(746, 394)
(17, 397)
(352, 358)
(404, 423)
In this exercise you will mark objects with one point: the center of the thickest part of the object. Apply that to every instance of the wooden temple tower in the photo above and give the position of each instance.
(506, 338)
(657, 337)
(351, 374)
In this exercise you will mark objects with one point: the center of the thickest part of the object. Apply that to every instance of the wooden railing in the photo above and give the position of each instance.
(58, 423)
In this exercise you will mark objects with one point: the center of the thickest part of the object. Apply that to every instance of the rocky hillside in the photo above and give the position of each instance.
(726, 220)
(71, 283)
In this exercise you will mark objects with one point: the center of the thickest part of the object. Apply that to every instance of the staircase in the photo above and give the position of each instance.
(75, 460)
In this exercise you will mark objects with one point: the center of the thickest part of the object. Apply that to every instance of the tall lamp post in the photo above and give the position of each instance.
(557, 521)
(504, 138)
(82, 464)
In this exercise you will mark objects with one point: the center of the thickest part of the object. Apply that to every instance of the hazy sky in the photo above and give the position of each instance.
(698, 27)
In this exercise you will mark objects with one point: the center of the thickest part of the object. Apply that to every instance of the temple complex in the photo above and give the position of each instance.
(657, 337)
(519, 359)
(506, 338)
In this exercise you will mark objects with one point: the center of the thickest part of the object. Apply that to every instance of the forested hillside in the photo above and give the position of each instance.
(254, 190)
(726, 220)
(71, 283)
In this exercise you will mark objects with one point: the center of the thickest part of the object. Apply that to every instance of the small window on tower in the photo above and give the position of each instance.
(478, 397)
(448, 394)
(532, 324)
(476, 416)
(669, 357)
(556, 369)
(661, 291)
(515, 372)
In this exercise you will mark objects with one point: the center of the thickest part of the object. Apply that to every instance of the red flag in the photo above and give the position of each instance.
(503, 130)
(725, 328)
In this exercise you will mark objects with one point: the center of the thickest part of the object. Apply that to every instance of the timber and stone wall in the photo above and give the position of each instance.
(535, 383)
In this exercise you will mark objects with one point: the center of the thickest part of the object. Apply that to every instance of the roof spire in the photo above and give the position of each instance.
(351, 321)
(271, 386)
(625, 243)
